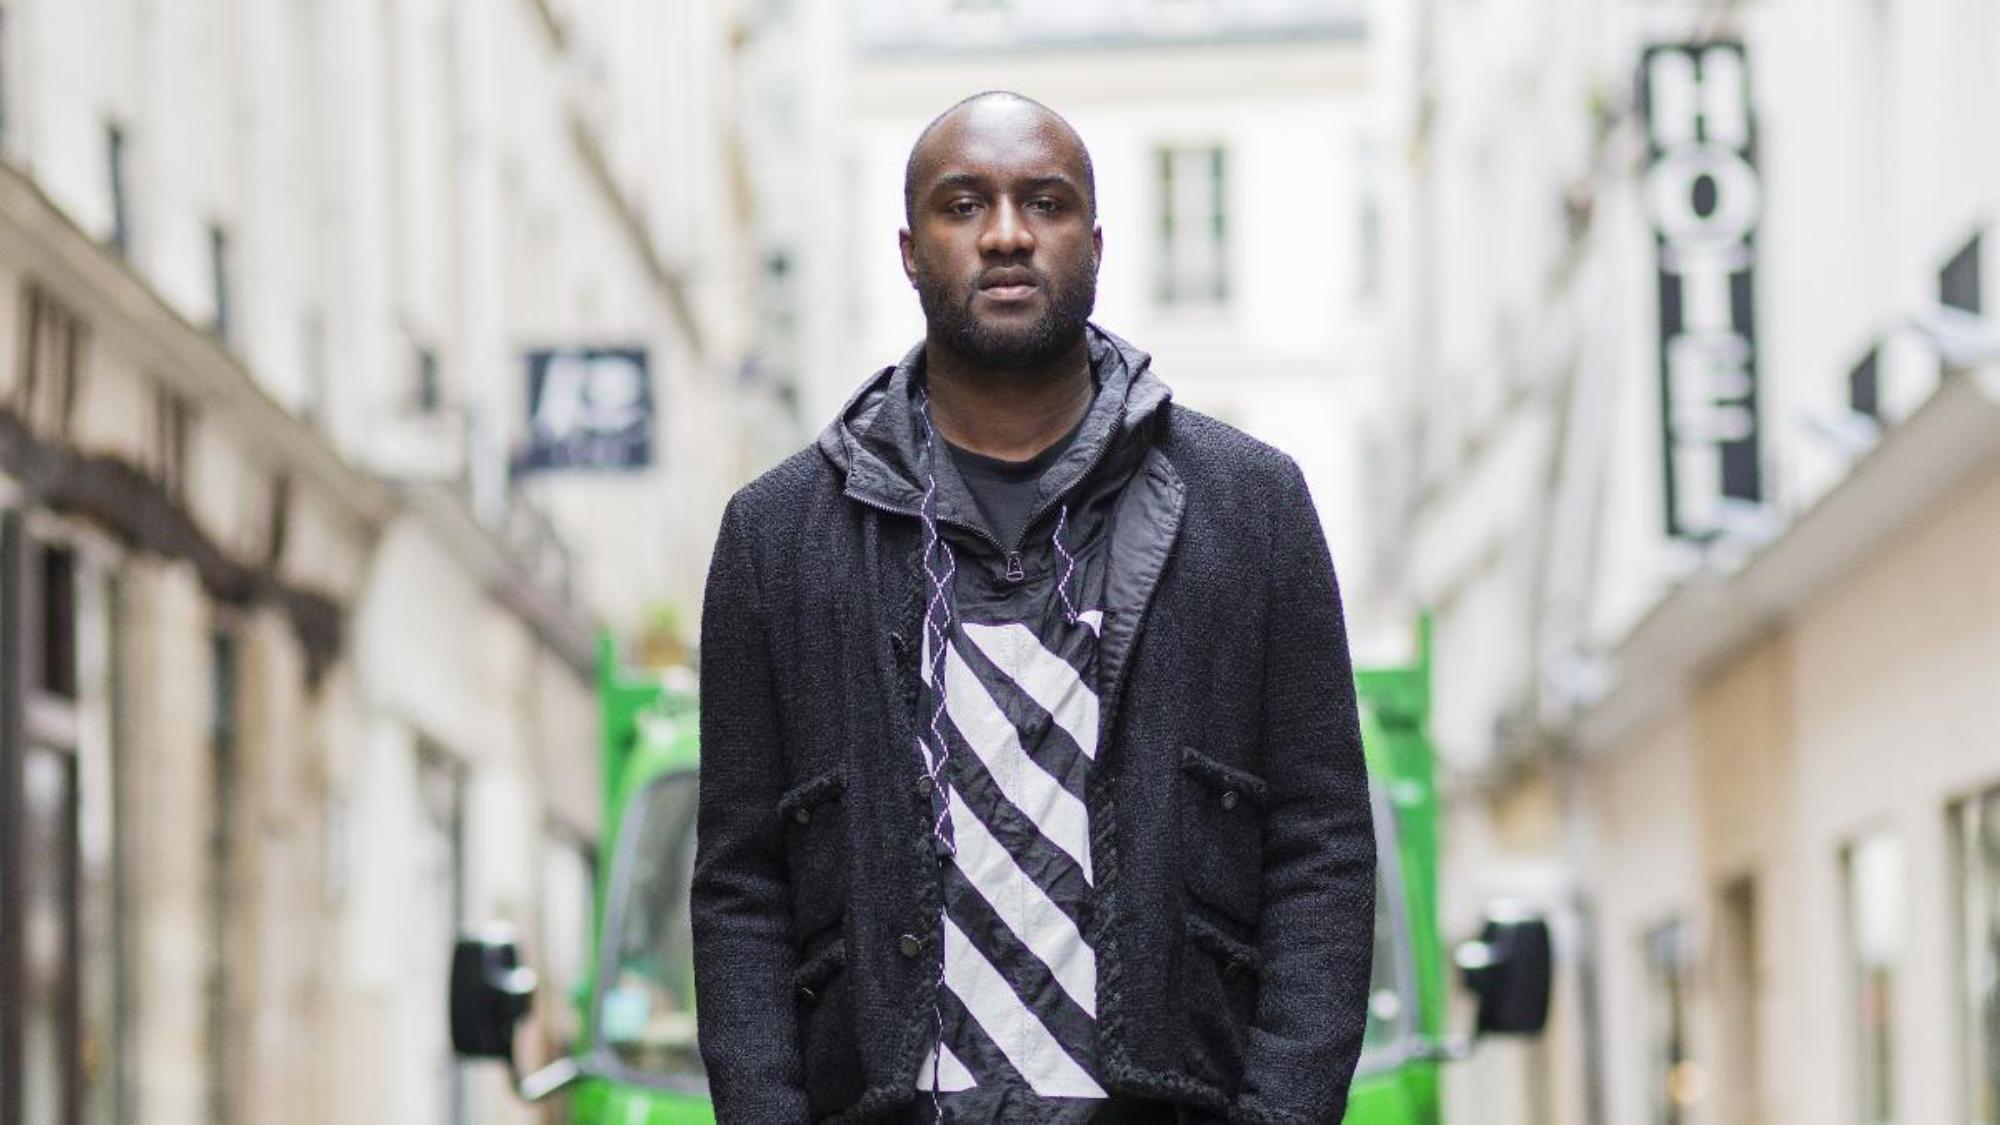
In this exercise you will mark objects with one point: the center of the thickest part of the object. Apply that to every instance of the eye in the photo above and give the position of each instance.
(1045, 205)
(962, 206)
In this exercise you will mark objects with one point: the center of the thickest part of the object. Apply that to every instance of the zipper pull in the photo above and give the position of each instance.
(1014, 571)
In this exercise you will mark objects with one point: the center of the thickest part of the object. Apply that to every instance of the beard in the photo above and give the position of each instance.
(1065, 310)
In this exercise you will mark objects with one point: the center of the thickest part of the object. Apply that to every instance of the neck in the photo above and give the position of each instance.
(1009, 413)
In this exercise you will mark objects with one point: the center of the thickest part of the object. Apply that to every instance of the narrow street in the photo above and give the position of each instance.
(377, 374)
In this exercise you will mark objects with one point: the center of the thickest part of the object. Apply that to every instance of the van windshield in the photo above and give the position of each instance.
(645, 1005)
(1389, 1009)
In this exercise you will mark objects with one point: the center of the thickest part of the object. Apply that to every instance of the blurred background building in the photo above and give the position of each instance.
(1698, 413)
(1238, 177)
(362, 359)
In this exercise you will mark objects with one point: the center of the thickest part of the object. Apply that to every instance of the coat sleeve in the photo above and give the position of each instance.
(743, 955)
(1317, 928)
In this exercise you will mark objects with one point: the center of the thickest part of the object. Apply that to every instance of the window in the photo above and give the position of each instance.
(121, 219)
(1391, 1006)
(50, 355)
(645, 1002)
(59, 972)
(1874, 878)
(1739, 1006)
(1673, 1079)
(47, 910)
(224, 848)
(1976, 839)
(1958, 281)
(1393, 1000)
(1864, 385)
(428, 392)
(58, 631)
(218, 268)
(1194, 233)
(173, 422)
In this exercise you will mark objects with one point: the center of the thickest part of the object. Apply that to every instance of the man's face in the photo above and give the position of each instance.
(1002, 245)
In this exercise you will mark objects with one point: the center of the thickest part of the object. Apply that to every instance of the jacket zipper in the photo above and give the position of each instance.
(1016, 572)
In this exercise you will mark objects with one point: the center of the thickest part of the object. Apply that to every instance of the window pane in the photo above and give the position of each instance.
(1958, 281)
(1193, 232)
(121, 229)
(58, 623)
(646, 1011)
(1978, 832)
(218, 267)
(1388, 1009)
(1218, 231)
(1875, 880)
(47, 934)
(1673, 1079)
(101, 968)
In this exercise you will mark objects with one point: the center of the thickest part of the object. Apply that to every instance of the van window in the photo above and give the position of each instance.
(1390, 1008)
(645, 1004)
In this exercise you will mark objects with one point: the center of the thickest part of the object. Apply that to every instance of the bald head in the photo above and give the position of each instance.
(989, 117)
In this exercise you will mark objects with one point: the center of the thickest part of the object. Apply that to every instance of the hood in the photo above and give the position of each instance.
(877, 445)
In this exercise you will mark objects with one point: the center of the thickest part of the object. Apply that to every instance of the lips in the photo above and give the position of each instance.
(1009, 283)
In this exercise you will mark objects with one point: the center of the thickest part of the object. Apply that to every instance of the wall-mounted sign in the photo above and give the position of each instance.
(1704, 200)
(588, 408)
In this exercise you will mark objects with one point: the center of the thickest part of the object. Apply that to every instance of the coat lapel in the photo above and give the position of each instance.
(1144, 526)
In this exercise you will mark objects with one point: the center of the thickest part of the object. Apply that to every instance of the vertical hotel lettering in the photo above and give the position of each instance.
(1703, 198)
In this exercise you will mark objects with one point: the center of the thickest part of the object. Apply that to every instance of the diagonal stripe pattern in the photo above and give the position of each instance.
(1020, 719)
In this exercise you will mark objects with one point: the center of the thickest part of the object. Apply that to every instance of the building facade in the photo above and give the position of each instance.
(360, 361)
(1696, 357)
(1209, 128)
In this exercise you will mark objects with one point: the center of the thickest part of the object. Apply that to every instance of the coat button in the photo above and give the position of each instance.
(911, 945)
(802, 815)
(924, 786)
(1229, 799)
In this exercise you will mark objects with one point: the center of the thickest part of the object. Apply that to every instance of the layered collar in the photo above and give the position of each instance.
(878, 440)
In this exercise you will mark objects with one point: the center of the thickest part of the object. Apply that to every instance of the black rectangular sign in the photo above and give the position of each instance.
(1704, 200)
(588, 408)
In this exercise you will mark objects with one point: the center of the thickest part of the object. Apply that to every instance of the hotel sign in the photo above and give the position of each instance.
(1704, 199)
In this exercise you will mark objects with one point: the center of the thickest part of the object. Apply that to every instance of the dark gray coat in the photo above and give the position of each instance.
(1231, 837)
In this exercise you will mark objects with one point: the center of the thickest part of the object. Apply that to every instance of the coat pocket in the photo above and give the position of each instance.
(814, 823)
(1219, 997)
(1222, 835)
(822, 996)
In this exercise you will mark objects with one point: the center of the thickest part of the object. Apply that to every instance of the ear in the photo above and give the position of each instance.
(1097, 244)
(908, 244)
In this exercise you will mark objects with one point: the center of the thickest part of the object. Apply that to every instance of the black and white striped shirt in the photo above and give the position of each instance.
(1018, 1004)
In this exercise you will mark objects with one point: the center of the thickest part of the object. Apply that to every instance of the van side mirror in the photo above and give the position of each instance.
(490, 992)
(1509, 967)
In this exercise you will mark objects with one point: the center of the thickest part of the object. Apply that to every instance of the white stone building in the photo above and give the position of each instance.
(1737, 736)
(296, 665)
(1236, 164)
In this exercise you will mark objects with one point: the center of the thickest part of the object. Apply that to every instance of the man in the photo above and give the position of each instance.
(1031, 782)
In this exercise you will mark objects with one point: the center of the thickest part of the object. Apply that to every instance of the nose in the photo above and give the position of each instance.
(1006, 232)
